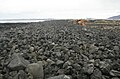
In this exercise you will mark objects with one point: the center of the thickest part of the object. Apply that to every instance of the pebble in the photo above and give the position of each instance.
(32, 49)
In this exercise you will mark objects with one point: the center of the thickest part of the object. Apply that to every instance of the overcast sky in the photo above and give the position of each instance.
(11, 9)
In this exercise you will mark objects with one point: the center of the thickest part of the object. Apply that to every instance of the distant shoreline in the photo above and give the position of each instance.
(21, 20)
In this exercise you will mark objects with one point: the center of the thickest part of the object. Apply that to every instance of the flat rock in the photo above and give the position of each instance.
(36, 70)
(17, 62)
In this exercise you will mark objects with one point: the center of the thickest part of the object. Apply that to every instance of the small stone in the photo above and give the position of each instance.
(17, 62)
(49, 61)
(58, 54)
(60, 71)
(91, 61)
(97, 74)
(40, 51)
(88, 69)
(77, 66)
(116, 48)
(1, 76)
(36, 70)
(13, 73)
(115, 78)
(115, 73)
(20, 31)
(105, 67)
(60, 77)
(67, 63)
(76, 48)
(31, 49)
(93, 48)
(21, 75)
(59, 62)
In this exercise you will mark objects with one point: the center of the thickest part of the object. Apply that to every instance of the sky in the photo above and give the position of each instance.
(58, 9)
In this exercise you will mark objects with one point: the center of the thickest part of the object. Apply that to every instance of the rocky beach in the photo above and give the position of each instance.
(59, 49)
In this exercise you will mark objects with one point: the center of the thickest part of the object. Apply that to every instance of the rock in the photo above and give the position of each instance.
(32, 49)
(13, 73)
(103, 64)
(58, 54)
(67, 63)
(105, 67)
(115, 78)
(93, 48)
(17, 62)
(91, 61)
(21, 75)
(1, 76)
(97, 62)
(97, 74)
(40, 51)
(36, 70)
(77, 66)
(115, 73)
(60, 77)
(89, 68)
(89, 34)
(49, 61)
(76, 48)
(60, 71)
(59, 62)
(20, 31)
(116, 48)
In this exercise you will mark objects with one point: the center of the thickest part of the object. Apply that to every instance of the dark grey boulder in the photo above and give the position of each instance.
(17, 62)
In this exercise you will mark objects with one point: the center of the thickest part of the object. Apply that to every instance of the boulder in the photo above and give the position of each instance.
(17, 62)
(36, 70)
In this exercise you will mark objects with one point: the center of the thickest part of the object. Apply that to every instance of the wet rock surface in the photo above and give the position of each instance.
(59, 49)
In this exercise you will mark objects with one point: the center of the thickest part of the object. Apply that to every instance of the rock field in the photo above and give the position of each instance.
(58, 49)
